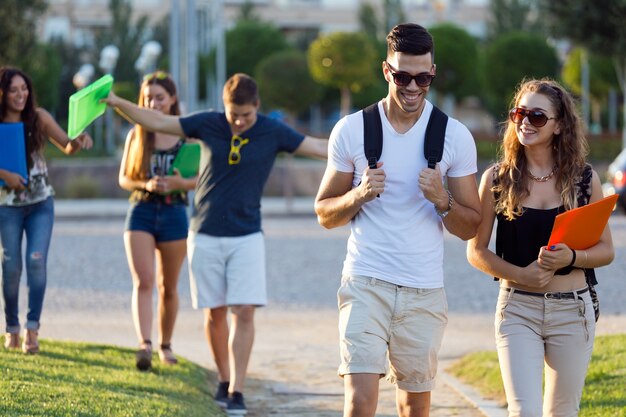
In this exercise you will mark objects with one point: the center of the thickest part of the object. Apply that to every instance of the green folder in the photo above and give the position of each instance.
(187, 160)
(85, 105)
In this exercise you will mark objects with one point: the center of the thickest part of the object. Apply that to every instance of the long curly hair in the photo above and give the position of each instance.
(142, 144)
(569, 149)
(34, 138)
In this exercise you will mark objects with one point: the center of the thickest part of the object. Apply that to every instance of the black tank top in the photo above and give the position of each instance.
(518, 241)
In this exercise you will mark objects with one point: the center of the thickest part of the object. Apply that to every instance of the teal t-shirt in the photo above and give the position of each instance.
(227, 201)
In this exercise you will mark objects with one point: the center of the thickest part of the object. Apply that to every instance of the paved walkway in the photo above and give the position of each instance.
(293, 365)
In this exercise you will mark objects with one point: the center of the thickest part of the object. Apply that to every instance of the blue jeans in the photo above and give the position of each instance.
(36, 221)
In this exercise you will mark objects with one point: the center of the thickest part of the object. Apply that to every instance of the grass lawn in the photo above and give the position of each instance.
(605, 386)
(79, 379)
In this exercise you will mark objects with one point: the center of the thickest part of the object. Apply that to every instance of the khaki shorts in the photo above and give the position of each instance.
(388, 329)
(225, 271)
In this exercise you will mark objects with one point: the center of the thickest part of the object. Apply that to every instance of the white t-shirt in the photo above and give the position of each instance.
(398, 237)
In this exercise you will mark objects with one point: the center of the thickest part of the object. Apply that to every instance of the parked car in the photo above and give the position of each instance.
(616, 180)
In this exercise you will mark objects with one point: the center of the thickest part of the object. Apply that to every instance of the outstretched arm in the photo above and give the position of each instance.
(313, 147)
(150, 119)
(59, 137)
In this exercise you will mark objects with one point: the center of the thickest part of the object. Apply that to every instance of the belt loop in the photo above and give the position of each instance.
(576, 297)
(511, 292)
(372, 281)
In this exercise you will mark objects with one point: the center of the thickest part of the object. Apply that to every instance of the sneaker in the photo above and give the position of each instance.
(221, 395)
(236, 406)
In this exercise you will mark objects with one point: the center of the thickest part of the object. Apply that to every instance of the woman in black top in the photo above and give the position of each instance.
(156, 225)
(544, 319)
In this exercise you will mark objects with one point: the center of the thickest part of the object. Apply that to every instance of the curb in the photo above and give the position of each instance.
(488, 408)
(76, 209)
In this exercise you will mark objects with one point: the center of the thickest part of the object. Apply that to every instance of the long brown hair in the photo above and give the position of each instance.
(569, 149)
(33, 135)
(142, 143)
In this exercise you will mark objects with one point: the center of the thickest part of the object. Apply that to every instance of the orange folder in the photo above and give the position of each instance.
(582, 227)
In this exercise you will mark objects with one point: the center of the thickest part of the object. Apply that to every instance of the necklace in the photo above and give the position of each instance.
(545, 177)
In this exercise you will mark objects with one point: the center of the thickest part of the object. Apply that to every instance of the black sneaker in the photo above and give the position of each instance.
(236, 406)
(221, 395)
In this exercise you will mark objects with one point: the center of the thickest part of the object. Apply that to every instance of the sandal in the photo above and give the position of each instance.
(12, 341)
(30, 345)
(143, 357)
(166, 355)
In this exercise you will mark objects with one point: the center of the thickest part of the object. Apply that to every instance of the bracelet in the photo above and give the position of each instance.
(573, 258)
(445, 212)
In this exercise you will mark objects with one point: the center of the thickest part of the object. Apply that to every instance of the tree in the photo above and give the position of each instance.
(602, 81)
(368, 21)
(456, 57)
(18, 30)
(393, 14)
(599, 26)
(127, 35)
(249, 42)
(511, 58)
(513, 16)
(343, 60)
(285, 82)
(371, 25)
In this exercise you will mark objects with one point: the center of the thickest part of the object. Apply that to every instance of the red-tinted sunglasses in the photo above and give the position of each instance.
(402, 79)
(535, 117)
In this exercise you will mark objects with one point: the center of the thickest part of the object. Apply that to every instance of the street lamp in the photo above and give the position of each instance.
(108, 61)
(83, 76)
(108, 58)
(146, 62)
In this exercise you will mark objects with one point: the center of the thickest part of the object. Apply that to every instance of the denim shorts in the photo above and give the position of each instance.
(166, 222)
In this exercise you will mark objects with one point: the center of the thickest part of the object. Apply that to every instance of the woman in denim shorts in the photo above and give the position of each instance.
(544, 318)
(156, 224)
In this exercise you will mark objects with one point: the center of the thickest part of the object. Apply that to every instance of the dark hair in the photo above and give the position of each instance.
(410, 38)
(34, 138)
(241, 89)
(142, 145)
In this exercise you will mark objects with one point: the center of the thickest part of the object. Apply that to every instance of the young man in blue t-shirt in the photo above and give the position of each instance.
(225, 245)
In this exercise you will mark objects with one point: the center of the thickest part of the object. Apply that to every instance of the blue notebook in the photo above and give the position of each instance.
(13, 149)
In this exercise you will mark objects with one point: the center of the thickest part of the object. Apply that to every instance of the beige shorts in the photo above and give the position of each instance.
(388, 329)
(225, 271)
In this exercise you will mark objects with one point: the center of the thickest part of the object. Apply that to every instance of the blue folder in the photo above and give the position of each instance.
(13, 149)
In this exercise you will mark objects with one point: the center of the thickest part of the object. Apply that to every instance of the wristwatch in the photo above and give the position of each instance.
(444, 213)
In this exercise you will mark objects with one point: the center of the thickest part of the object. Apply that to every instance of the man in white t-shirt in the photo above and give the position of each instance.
(392, 306)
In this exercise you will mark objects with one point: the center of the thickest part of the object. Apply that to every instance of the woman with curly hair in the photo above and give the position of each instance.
(26, 205)
(544, 319)
(156, 224)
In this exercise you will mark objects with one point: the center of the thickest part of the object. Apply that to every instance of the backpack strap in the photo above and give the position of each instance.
(435, 137)
(373, 134)
(583, 187)
(583, 195)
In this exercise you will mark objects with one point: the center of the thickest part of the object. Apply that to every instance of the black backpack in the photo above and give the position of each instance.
(433, 142)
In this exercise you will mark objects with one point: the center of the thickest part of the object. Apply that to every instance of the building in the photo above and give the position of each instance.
(75, 20)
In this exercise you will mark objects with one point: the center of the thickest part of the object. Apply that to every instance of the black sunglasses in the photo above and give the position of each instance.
(535, 117)
(402, 79)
